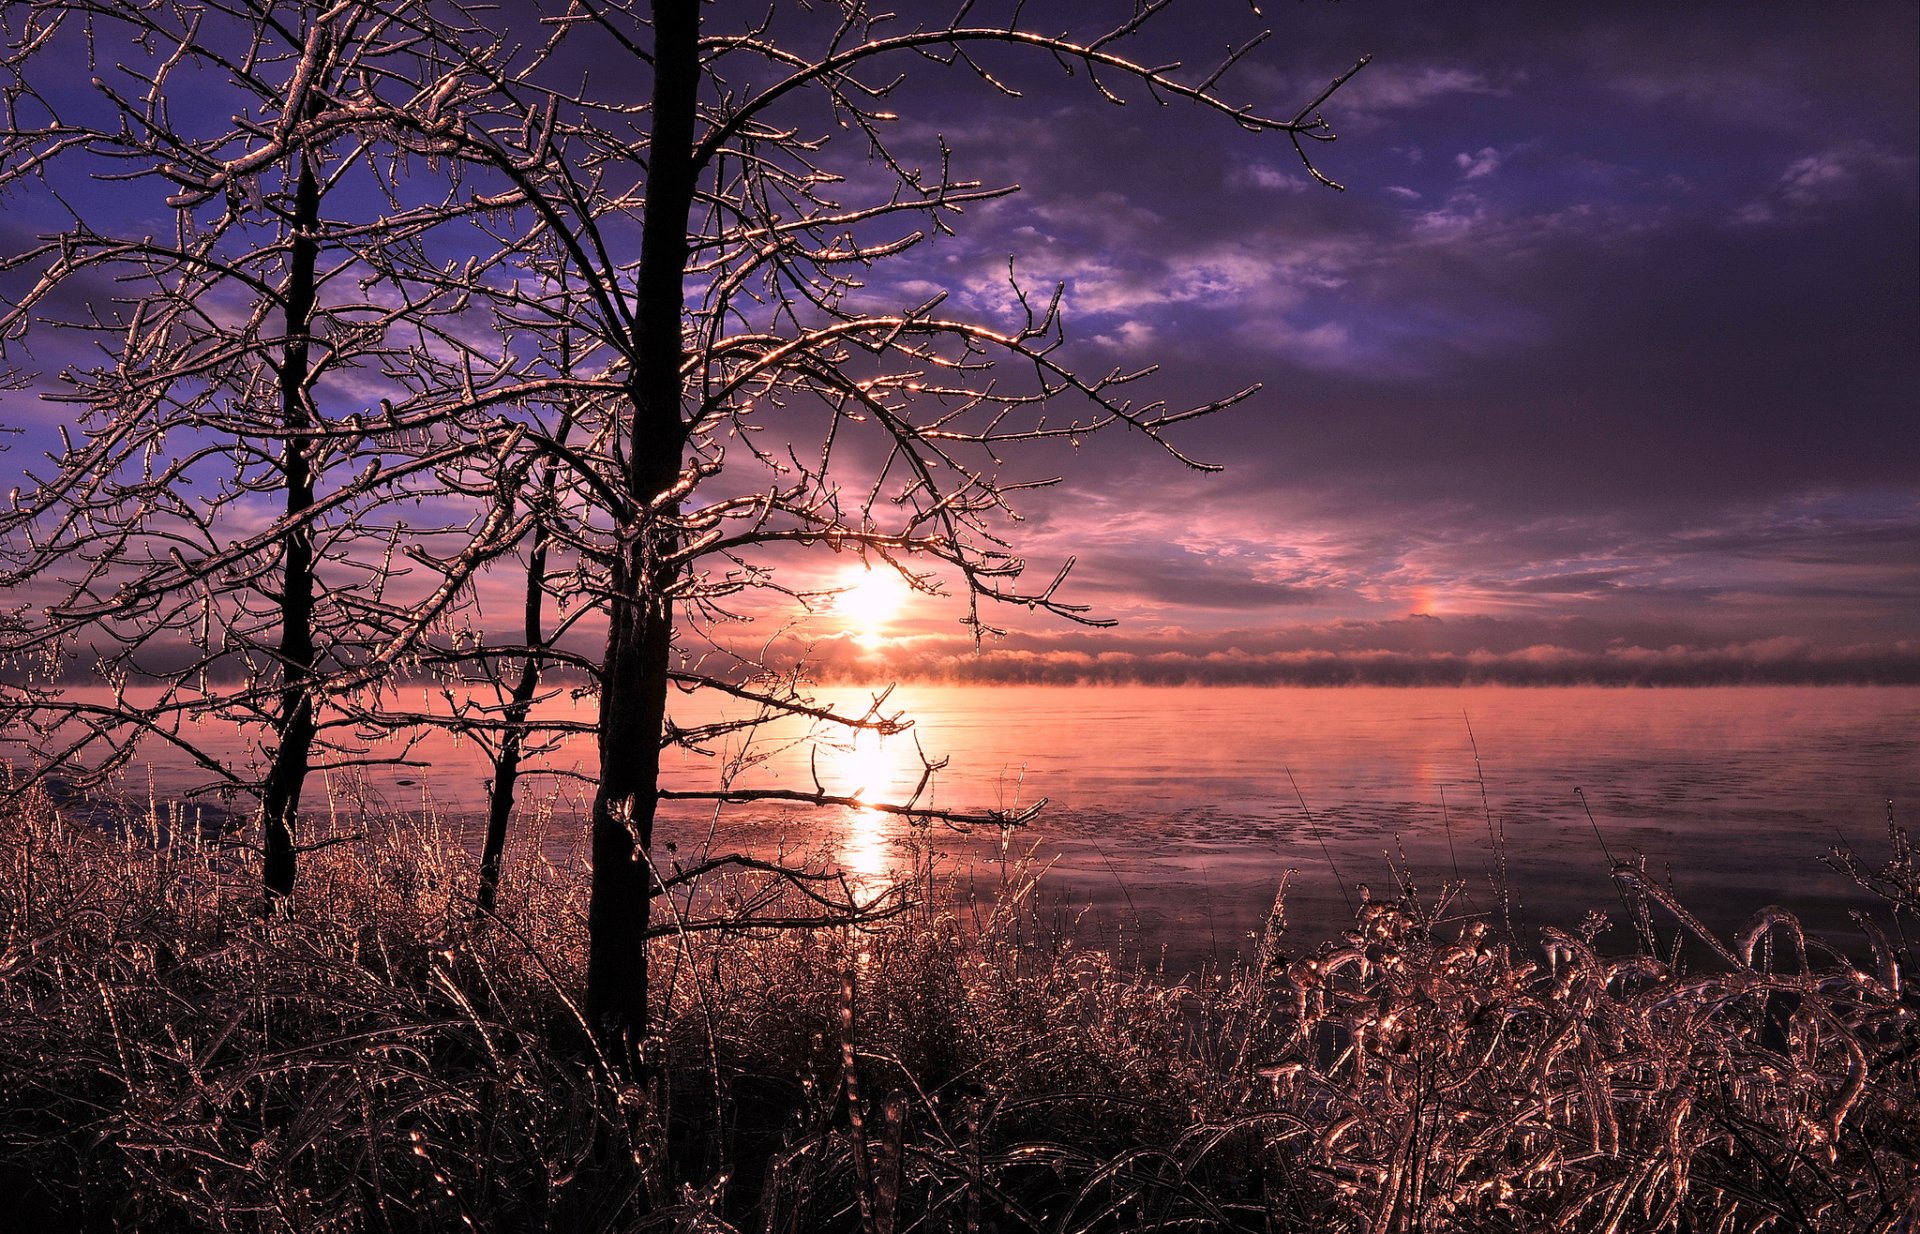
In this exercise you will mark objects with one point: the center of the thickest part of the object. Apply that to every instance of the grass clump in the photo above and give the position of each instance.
(169, 1060)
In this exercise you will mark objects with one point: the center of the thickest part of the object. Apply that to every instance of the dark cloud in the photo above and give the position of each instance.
(1586, 582)
(1617, 315)
(1185, 580)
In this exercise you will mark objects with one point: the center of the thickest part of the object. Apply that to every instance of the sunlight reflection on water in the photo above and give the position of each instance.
(1173, 812)
(871, 767)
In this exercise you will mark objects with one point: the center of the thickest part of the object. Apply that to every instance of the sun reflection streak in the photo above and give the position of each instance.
(871, 769)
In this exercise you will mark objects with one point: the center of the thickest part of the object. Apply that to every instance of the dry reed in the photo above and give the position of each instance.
(386, 1061)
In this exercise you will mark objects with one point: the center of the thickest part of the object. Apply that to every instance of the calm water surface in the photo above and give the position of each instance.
(1176, 811)
(1173, 813)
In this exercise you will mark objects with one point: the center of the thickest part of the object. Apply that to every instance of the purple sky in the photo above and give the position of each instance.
(1603, 366)
(1607, 357)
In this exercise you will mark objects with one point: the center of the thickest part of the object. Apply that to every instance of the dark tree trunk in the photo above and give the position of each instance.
(280, 796)
(634, 682)
(506, 763)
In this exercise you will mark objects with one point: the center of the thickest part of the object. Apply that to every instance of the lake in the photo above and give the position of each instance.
(1174, 812)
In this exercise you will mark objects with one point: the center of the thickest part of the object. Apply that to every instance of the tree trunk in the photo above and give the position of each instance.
(506, 764)
(634, 683)
(280, 796)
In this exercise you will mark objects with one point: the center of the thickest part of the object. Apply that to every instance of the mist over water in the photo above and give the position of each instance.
(1174, 812)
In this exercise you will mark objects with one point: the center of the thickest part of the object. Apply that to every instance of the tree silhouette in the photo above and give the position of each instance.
(742, 396)
(215, 536)
(631, 243)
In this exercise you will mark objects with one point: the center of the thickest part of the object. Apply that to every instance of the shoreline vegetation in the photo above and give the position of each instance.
(387, 1060)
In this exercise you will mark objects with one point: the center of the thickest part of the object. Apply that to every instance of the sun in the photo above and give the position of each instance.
(868, 599)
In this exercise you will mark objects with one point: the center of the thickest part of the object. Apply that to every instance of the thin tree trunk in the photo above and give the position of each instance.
(280, 796)
(506, 764)
(634, 683)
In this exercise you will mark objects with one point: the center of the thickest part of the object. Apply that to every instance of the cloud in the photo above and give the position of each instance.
(1191, 581)
(1817, 182)
(1387, 90)
(1462, 213)
(1376, 655)
(1273, 179)
(1128, 336)
(1780, 68)
(1474, 166)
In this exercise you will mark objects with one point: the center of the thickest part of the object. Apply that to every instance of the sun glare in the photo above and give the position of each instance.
(870, 598)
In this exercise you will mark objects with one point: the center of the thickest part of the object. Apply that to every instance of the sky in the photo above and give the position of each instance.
(1602, 367)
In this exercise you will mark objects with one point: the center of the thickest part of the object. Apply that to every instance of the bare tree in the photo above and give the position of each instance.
(506, 751)
(652, 303)
(489, 685)
(218, 536)
(742, 396)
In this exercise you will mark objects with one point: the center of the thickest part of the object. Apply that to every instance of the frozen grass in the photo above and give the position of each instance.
(383, 1062)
